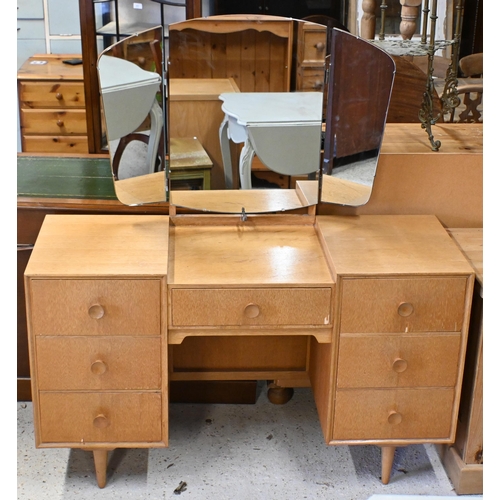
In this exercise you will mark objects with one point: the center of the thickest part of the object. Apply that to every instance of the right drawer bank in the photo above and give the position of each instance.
(400, 330)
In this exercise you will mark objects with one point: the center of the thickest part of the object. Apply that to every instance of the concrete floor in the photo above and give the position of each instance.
(237, 452)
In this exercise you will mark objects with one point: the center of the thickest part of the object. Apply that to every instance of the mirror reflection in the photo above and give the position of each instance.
(249, 128)
(358, 94)
(249, 90)
(132, 94)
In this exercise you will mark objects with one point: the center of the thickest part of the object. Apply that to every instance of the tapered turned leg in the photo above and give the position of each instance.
(279, 395)
(101, 463)
(387, 460)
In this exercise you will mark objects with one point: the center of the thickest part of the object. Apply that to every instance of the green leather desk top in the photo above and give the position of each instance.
(59, 177)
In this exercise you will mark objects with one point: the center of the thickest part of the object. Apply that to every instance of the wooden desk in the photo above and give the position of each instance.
(279, 297)
(463, 460)
(52, 105)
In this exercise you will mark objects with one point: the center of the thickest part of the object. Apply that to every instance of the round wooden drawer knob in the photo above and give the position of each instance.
(320, 45)
(101, 422)
(394, 418)
(317, 85)
(96, 311)
(60, 123)
(405, 309)
(98, 367)
(399, 365)
(252, 311)
(59, 96)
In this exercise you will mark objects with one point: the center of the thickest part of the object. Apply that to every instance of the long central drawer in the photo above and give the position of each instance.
(251, 306)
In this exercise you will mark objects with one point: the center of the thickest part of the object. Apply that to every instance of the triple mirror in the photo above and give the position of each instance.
(253, 113)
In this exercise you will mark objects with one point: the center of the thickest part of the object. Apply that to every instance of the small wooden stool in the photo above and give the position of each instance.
(189, 162)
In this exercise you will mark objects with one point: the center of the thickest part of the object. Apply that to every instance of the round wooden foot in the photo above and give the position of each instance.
(279, 395)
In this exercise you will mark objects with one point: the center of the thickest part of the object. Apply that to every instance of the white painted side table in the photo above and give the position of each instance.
(118, 78)
(282, 128)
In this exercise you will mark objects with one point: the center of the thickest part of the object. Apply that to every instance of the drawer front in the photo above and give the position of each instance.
(84, 418)
(53, 95)
(95, 307)
(238, 307)
(402, 305)
(34, 121)
(314, 45)
(398, 361)
(55, 144)
(393, 414)
(311, 79)
(98, 363)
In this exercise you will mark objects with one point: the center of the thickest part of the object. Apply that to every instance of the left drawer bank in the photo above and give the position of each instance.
(95, 297)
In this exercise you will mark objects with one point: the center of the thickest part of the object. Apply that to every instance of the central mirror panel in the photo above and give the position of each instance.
(246, 112)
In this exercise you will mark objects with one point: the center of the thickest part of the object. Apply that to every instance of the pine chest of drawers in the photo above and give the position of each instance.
(52, 105)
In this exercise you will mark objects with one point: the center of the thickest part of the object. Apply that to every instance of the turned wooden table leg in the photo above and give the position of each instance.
(101, 463)
(410, 10)
(278, 395)
(367, 25)
(387, 460)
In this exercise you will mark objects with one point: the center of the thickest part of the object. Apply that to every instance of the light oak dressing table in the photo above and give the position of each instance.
(371, 311)
(383, 301)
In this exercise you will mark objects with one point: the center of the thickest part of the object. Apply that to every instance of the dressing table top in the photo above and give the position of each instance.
(265, 250)
(90, 245)
(250, 253)
(391, 244)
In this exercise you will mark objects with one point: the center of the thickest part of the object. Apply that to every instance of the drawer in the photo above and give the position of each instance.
(93, 417)
(312, 79)
(314, 45)
(251, 306)
(55, 144)
(54, 95)
(98, 363)
(402, 305)
(393, 414)
(398, 361)
(53, 122)
(95, 307)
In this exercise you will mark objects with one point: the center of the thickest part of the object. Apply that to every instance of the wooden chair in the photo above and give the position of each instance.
(470, 92)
